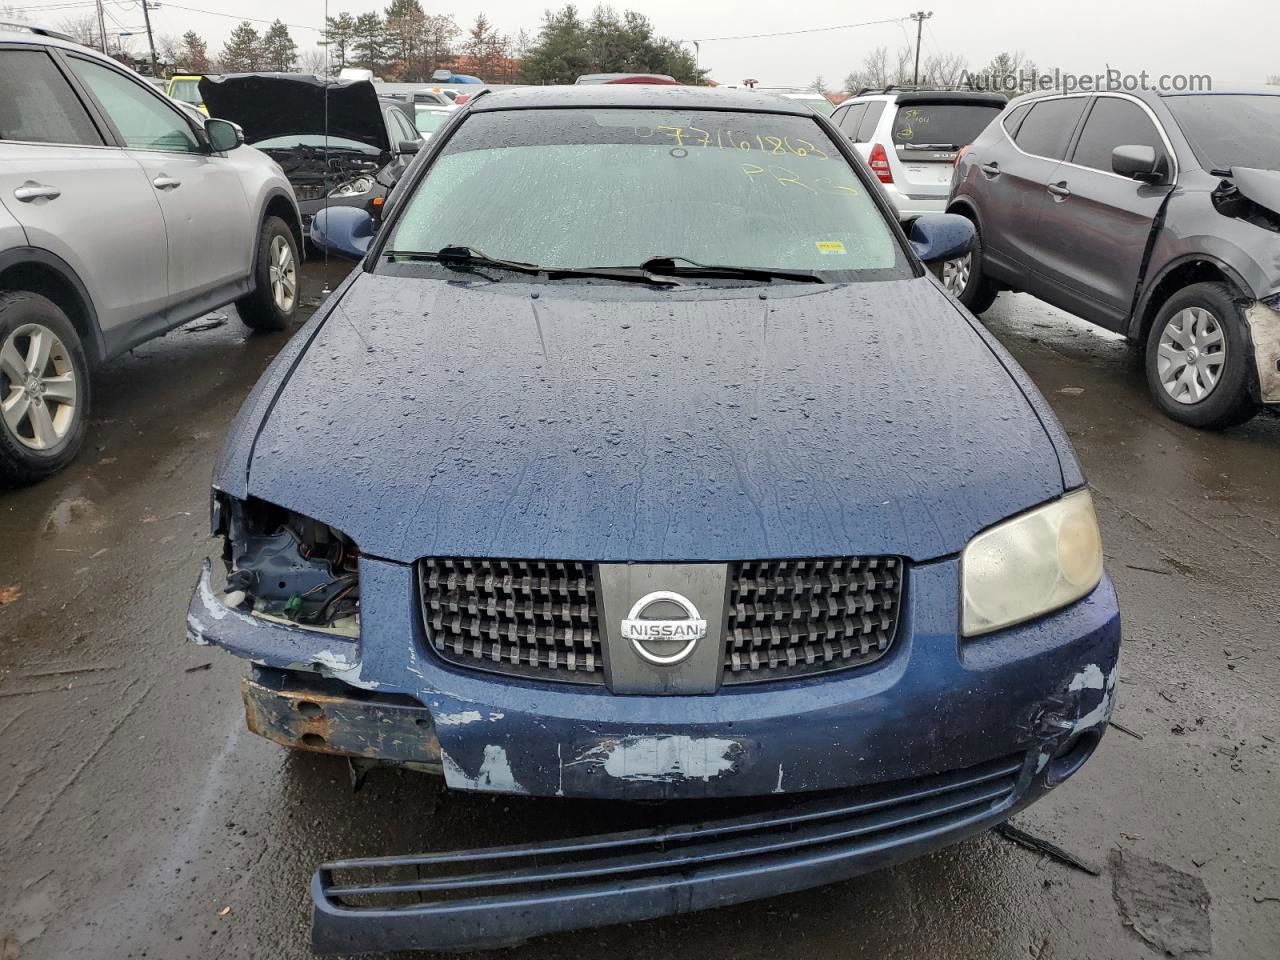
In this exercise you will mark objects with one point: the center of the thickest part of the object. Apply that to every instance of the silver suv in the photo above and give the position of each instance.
(910, 139)
(120, 218)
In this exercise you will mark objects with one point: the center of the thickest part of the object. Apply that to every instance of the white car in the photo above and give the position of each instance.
(910, 139)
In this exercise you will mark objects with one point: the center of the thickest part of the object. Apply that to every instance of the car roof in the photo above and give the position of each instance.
(636, 96)
(933, 96)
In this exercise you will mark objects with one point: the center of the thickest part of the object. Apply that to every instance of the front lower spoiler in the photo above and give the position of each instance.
(494, 897)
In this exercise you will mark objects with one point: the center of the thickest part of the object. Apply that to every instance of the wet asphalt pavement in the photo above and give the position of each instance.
(138, 818)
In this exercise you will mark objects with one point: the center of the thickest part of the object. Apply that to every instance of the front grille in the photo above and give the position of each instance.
(795, 617)
(786, 618)
(534, 617)
(308, 191)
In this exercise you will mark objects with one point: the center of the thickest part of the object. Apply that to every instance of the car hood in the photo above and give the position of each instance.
(268, 105)
(1260, 186)
(610, 423)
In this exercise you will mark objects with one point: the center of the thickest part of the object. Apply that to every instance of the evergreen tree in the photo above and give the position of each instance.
(559, 54)
(193, 54)
(339, 33)
(567, 47)
(405, 24)
(242, 53)
(279, 52)
(369, 42)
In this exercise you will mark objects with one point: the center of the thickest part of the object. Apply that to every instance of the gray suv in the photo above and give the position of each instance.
(1153, 215)
(120, 218)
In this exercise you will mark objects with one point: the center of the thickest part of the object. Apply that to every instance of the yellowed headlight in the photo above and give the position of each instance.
(1031, 565)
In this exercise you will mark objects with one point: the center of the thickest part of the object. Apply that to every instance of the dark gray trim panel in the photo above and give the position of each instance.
(94, 345)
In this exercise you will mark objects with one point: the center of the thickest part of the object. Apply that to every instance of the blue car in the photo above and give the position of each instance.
(644, 458)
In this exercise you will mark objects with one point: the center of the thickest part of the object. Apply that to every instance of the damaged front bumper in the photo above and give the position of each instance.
(842, 773)
(1263, 317)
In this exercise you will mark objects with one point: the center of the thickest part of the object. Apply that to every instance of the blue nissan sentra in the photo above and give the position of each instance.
(643, 457)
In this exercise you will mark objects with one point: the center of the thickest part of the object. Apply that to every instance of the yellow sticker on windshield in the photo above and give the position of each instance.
(830, 247)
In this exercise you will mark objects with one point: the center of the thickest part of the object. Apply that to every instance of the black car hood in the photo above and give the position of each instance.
(268, 105)
(1260, 186)
(433, 418)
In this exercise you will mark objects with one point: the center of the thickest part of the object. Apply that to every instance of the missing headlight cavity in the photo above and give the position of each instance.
(285, 566)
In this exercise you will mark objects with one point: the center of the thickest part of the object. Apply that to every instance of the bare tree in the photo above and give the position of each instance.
(943, 69)
(82, 29)
(1273, 80)
(313, 61)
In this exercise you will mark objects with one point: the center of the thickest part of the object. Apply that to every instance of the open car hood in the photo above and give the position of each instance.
(270, 105)
(1260, 186)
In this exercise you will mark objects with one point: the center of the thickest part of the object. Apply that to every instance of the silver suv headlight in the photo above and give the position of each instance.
(1031, 565)
(357, 187)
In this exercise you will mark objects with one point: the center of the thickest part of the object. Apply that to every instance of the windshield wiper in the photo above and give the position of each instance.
(684, 267)
(464, 257)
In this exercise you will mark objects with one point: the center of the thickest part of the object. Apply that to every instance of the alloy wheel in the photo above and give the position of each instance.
(955, 273)
(38, 390)
(284, 274)
(1191, 355)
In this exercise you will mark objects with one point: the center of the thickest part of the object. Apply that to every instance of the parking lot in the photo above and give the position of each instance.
(141, 819)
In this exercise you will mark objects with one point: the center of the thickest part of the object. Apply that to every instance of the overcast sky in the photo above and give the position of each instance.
(1231, 41)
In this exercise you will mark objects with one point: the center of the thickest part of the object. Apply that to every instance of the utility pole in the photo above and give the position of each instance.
(102, 29)
(146, 16)
(919, 17)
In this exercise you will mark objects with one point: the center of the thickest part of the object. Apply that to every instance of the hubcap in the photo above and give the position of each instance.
(1191, 354)
(38, 390)
(955, 273)
(284, 275)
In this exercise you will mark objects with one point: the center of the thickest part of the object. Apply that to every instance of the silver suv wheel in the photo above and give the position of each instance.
(38, 390)
(1191, 355)
(284, 274)
(955, 274)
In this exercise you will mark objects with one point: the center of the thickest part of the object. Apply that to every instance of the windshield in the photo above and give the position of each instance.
(188, 90)
(1231, 130)
(952, 125)
(291, 141)
(429, 121)
(602, 187)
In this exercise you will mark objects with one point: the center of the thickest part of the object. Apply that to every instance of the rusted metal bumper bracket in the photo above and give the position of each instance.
(326, 716)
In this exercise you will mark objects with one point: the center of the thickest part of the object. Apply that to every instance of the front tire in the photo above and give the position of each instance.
(44, 388)
(274, 300)
(1197, 358)
(963, 277)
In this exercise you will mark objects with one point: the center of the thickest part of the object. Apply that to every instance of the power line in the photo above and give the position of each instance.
(236, 16)
(792, 33)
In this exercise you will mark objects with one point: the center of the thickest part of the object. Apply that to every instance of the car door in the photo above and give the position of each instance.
(1102, 220)
(1012, 187)
(76, 196)
(206, 214)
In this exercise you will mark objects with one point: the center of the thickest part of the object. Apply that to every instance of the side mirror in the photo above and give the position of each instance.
(223, 135)
(1136, 162)
(941, 236)
(343, 231)
(408, 147)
